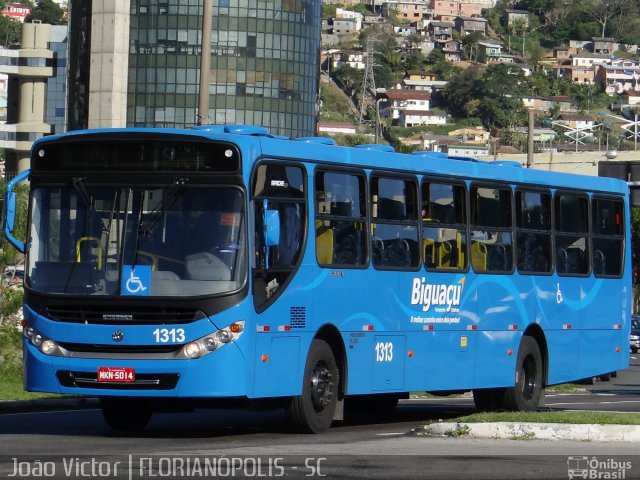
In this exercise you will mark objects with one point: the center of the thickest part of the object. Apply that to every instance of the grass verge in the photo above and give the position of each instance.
(11, 367)
(599, 418)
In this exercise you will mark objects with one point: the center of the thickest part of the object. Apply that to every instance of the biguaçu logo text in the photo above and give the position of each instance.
(447, 297)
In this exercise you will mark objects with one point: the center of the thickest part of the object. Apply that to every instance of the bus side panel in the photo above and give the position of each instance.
(601, 352)
(277, 365)
(441, 360)
(389, 363)
(563, 347)
(496, 358)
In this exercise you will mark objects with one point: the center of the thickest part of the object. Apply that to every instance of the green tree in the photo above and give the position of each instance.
(10, 298)
(10, 31)
(47, 11)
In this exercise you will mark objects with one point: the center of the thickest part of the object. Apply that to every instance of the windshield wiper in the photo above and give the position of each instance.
(145, 227)
(78, 184)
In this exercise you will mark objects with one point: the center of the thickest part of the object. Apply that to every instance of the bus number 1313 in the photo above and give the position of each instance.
(384, 351)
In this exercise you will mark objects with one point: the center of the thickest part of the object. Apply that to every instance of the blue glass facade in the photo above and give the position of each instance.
(56, 85)
(264, 64)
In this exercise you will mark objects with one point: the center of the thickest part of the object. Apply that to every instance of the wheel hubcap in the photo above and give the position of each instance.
(321, 386)
(529, 380)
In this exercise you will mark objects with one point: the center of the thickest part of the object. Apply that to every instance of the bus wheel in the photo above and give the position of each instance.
(528, 391)
(487, 399)
(312, 412)
(126, 414)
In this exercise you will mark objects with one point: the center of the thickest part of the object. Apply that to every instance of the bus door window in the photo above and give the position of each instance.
(444, 231)
(283, 187)
(491, 237)
(607, 236)
(340, 219)
(533, 231)
(394, 229)
(572, 227)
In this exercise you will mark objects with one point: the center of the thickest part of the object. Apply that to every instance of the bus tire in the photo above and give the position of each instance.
(126, 414)
(313, 410)
(487, 399)
(528, 391)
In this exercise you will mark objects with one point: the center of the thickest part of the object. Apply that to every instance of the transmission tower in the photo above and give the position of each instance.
(368, 93)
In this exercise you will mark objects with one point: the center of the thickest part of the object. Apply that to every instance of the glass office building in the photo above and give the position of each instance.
(264, 66)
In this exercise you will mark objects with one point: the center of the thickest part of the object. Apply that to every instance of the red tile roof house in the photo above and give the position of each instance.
(407, 100)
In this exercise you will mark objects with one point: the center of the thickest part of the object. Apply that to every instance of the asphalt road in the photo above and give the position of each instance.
(257, 444)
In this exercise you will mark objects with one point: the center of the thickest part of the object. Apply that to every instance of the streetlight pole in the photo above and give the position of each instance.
(205, 64)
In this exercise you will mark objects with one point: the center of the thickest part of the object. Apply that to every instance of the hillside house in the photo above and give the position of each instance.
(467, 150)
(577, 121)
(513, 15)
(442, 32)
(412, 118)
(577, 74)
(618, 76)
(448, 10)
(489, 51)
(604, 45)
(411, 100)
(407, 9)
(468, 25)
(588, 59)
(422, 80)
(334, 128)
(452, 51)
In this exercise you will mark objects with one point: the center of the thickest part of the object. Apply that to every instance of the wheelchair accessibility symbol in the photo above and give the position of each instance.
(136, 280)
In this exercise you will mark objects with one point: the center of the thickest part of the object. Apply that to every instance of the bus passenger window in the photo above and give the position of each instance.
(533, 232)
(491, 236)
(572, 227)
(444, 230)
(341, 236)
(394, 223)
(607, 236)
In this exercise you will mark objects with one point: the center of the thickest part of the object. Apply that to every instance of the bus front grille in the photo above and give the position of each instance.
(159, 381)
(120, 316)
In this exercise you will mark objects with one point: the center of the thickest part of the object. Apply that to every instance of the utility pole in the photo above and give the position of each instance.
(532, 116)
(368, 93)
(205, 64)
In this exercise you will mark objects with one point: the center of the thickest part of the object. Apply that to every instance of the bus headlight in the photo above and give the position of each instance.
(192, 350)
(48, 347)
(224, 336)
(42, 343)
(37, 339)
(205, 345)
(210, 344)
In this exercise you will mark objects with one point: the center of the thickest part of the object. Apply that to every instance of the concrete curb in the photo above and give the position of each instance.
(534, 431)
(46, 404)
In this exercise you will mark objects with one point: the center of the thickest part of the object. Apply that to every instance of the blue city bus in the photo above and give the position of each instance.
(225, 266)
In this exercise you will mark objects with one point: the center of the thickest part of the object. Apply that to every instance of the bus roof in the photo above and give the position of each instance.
(257, 142)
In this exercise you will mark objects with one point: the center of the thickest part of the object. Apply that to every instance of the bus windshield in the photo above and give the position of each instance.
(171, 241)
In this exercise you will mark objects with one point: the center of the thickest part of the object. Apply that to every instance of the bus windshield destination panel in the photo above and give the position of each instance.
(277, 269)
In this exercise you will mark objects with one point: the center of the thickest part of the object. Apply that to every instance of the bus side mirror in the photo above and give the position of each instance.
(272, 228)
(9, 212)
(271, 234)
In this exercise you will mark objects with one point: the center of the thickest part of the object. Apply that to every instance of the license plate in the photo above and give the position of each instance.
(116, 374)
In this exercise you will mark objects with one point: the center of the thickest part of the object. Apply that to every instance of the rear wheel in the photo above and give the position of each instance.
(126, 414)
(313, 410)
(528, 391)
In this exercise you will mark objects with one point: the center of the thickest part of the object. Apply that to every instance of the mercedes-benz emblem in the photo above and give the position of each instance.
(117, 336)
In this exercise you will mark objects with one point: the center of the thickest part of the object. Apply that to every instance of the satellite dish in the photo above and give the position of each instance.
(611, 154)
